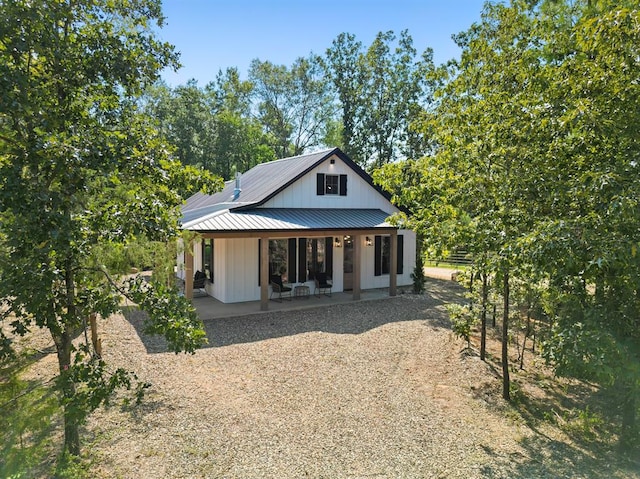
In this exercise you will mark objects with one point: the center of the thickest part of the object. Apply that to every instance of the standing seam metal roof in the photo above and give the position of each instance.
(261, 181)
(302, 219)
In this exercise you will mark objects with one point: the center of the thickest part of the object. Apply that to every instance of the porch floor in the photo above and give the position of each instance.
(210, 308)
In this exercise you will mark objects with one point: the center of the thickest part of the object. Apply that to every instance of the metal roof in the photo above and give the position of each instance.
(262, 181)
(301, 219)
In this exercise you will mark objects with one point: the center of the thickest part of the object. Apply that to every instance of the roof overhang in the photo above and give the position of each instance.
(289, 221)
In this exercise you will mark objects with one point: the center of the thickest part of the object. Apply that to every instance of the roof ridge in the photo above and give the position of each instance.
(319, 152)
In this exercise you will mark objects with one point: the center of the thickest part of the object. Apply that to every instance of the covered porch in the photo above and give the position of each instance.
(359, 239)
(210, 308)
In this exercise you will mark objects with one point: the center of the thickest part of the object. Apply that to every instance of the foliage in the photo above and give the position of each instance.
(211, 127)
(294, 104)
(381, 90)
(80, 170)
(535, 170)
(418, 275)
(27, 409)
(462, 320)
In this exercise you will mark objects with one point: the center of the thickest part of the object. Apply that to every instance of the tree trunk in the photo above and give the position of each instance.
(483, 317)
(527, 331)
(493, 320)
(68, 390)
(506, 394)
(64, 346)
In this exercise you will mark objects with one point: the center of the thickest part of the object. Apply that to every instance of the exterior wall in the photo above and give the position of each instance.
(368, 280)
(302, 194)
(235, 267)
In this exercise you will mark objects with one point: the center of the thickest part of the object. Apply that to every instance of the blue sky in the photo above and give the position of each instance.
(216, 34)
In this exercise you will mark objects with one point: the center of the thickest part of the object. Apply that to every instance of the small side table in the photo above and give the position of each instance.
(301, 291)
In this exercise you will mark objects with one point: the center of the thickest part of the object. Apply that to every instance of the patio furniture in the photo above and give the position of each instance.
(278, 288)
(199, 280)
(301, 291)
(322, 284)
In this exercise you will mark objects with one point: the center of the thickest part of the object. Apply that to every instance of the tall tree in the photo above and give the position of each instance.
(294, 104)
(79, 168)
(381, 90)
(346, 73)
(537, 162)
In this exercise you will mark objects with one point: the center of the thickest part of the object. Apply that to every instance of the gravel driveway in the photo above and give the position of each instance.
(366, 389)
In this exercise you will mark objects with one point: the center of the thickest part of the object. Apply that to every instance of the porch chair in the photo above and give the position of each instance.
(199, 280)
(322, 284)
(278, 288)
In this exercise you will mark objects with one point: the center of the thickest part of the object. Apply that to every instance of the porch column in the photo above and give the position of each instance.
(357, 261)
(264, 273)
(188, 270)
(393, 274)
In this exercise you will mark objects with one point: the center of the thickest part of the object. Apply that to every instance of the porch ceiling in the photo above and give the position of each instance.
(289, 220)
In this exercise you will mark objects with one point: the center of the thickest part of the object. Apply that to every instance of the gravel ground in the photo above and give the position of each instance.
(366, 389)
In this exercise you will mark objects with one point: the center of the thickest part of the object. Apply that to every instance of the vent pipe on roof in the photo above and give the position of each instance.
(237, 189)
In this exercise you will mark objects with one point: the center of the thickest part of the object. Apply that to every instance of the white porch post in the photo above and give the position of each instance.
(393, 278)
(264, 273)
(188, 270)
(357, 261)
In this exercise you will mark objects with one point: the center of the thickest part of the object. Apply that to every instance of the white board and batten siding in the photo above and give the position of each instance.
(302, 193)
(235, 267)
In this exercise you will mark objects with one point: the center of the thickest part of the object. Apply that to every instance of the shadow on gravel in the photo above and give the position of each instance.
(545, 458)
(344, 318)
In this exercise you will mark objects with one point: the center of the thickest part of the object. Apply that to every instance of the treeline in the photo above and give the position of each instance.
(361, 99)
(536, 173)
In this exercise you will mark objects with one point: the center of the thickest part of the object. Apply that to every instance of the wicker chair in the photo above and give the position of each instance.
(322, 284)
(278, 288)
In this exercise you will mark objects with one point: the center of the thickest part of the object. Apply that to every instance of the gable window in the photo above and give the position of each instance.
(331, 184)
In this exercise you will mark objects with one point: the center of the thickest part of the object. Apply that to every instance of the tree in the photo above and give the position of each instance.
(587, 237)
(294, 104)
(81, 168)
(381, 90)
(211, 127)
(185, 115)
(347, 75)
(536, 169)
(475, 185)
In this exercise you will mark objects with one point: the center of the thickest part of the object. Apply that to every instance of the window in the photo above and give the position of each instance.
(278, 255)
(382, 263)
(207, 258)
(331, 185)
(316, 257)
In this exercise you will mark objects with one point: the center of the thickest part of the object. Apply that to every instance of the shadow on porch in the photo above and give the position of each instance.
(210, 308)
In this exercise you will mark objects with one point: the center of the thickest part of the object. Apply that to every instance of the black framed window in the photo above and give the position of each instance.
(316, 257)
(382, 255)
(279, 257)
(331, 184)
(207, 258)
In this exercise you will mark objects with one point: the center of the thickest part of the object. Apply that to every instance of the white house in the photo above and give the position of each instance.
(298, 216)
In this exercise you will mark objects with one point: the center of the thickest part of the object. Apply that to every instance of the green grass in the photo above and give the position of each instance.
(28, 413)
(444, 264)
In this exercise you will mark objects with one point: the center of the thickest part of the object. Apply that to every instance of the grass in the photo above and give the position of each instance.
(30, 425)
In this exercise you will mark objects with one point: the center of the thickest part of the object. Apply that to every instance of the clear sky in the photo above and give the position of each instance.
(216, 34)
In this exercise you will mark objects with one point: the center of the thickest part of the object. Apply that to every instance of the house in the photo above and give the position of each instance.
(298, 217)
